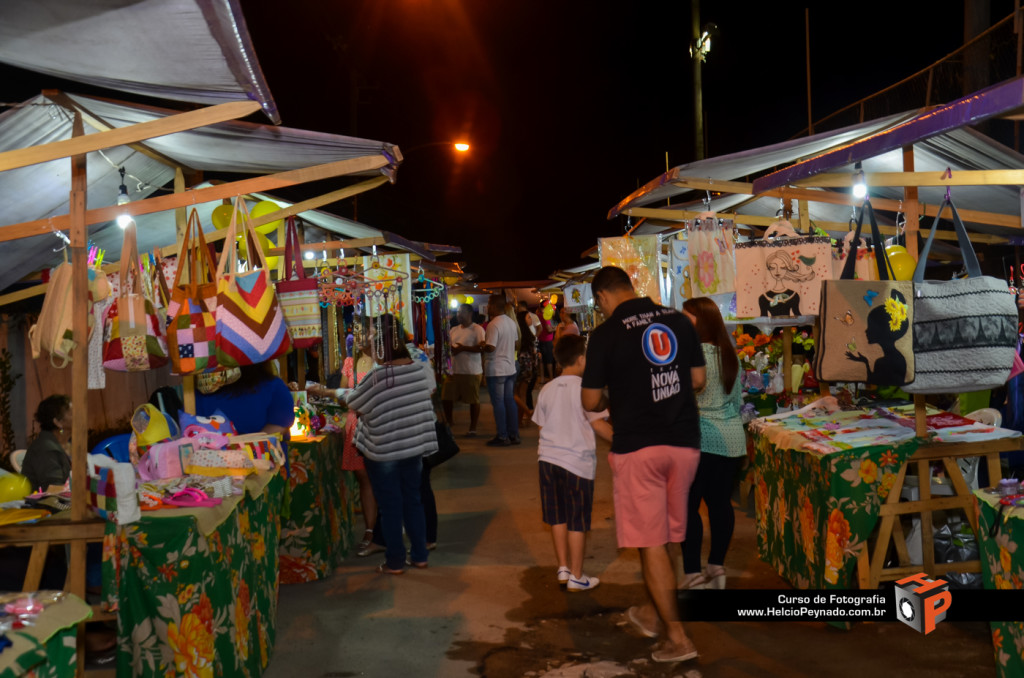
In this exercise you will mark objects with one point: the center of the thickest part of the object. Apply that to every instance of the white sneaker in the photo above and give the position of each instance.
(584, 583)
(563, 575)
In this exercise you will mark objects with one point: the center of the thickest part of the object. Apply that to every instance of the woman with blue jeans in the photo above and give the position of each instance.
(395, 429)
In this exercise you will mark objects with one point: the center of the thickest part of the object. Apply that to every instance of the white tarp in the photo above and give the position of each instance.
(183, 50)
(42, 190)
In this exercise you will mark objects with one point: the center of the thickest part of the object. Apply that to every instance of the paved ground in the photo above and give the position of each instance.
(490, 606)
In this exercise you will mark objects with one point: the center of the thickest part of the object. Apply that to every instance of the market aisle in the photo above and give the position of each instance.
(489, 604)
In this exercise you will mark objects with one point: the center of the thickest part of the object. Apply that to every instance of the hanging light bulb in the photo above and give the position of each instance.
(860, 187)
(309, 254)
(124, 218)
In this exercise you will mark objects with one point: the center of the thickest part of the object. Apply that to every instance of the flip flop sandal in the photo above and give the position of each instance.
(384, 569)
(664, 657)
(191, 497)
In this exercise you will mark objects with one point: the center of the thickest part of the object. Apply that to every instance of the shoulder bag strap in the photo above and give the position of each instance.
(130, 263)
(881, 260)
(966, 248)
(293, 252)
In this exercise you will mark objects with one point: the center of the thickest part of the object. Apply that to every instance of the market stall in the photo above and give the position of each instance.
(196, 588)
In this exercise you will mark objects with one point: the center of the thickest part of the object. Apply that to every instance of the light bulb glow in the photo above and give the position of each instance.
(309, 254)
(123, 220)
(453, 304)
(461, 146)
(860, 189)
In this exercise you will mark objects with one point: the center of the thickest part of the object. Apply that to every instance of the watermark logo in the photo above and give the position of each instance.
(921, 603)
(660, 344)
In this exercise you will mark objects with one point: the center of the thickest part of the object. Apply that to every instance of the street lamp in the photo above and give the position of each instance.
(457, 146)
(461, 146)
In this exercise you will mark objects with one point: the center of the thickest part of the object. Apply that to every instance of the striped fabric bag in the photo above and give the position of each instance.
(250, 325)
(298, 295)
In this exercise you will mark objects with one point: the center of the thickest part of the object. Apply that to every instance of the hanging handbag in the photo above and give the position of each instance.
(52, 331)
(865, 324)
(298, 295)
(191, 324)
(965, 331)
(446, 446)
(782, 276)
(250, 324)
(133, 333)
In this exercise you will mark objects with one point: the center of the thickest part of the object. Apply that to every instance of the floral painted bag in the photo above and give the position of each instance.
(865, 324)
(712, 256)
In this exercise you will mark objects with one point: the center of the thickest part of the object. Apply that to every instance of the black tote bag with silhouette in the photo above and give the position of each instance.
(866, 324)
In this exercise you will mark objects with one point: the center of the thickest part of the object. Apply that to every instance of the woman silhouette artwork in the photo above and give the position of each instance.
(887, 324)
(779, 300)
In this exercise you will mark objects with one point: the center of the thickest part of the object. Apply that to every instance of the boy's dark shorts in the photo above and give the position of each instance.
(565, 497)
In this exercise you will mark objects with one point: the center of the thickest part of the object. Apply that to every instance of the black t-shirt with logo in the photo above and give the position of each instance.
(643, 354)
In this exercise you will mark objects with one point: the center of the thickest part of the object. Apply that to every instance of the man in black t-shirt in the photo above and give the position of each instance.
(650, 360)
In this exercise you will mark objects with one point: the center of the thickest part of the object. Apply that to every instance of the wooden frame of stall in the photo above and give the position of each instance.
(871, 569)
(82, 528)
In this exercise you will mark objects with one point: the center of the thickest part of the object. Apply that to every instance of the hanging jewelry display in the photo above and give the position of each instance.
(341, 287)
(426, 290)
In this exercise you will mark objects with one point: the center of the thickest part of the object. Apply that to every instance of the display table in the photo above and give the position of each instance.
(823, 482)
(47, 649)
(318, 534)
(1002, 566)
(816, 509)
(197, 588)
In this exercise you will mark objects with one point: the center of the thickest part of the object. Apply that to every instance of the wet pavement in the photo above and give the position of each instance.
(489, 604)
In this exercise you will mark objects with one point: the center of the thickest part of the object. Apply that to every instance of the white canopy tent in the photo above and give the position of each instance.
(183, 50)
(38, 191)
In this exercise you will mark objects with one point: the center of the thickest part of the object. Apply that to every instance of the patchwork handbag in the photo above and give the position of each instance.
(298, 295)
(112, 489)
(133, 333)
(865, 324)
(165, 460)
(782, 276)
(191, 325)
(965, 331)
(250, 324)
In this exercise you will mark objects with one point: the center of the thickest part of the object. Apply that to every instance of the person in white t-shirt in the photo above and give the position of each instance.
(568, 461)
(500, 345)
(467, 340)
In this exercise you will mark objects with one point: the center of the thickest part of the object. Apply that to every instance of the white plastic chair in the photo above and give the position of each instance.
(17, 458)
(969, 466)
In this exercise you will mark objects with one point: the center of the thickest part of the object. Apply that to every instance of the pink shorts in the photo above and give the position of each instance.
(651, 486)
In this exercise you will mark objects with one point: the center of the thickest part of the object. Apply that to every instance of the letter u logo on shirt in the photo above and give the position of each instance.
(659, 344)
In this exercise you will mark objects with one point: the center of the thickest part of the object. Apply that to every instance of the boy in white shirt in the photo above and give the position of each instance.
(568, 461)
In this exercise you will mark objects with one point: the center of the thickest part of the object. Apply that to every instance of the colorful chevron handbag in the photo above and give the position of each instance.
(191, 326)
(298, 295)
(250, 324)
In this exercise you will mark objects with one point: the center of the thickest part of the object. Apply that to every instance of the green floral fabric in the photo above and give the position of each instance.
(814, 511)
(197, 605)
(47, 649)
(1002, 566)
(318, 535)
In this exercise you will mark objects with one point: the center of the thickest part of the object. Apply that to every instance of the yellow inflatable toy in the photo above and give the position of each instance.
(14, 486)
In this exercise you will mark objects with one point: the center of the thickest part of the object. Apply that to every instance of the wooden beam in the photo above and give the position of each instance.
(199, 195)
(121, 136)
(1002, 177)
(98, 123)
(752, 220)
(912, 206)
(320, 201)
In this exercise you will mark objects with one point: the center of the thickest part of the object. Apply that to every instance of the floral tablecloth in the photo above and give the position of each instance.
(47, 649)
(816, 509)
(198, 604)
(318, 535)
(1002, 566)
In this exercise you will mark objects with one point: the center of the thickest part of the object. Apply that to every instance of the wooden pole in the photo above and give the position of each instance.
(787, 358)
(698, 100)
(911, 207)
(79, 375)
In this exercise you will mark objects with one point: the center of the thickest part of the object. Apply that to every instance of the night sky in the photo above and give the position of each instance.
(569, 105)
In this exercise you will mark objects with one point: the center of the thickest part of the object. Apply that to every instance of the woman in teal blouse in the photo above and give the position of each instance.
(722, 447)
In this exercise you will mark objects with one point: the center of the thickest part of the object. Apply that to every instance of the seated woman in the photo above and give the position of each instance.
(47, 460)
(395, 429)
(259, 402)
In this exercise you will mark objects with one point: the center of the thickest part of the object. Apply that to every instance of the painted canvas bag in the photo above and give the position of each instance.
(865, 324)
(712, 256)
(781, 276)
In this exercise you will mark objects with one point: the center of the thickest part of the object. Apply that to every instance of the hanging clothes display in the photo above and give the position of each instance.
(638, 256)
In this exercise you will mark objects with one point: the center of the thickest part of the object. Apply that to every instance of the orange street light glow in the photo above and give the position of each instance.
(461, 147)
